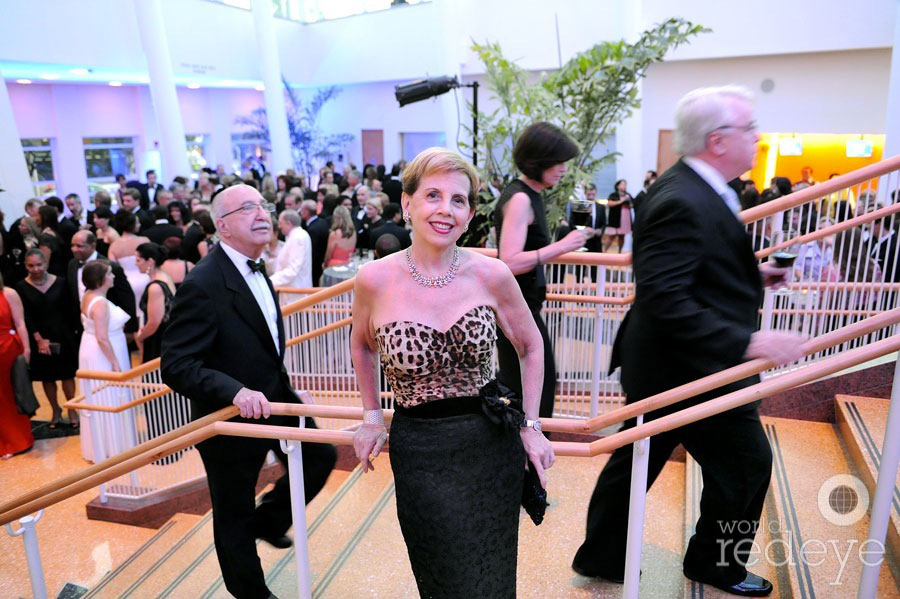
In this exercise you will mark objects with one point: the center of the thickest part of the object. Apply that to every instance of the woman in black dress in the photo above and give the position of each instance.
(49, 318)
(523, 239)
(458, 470)
(619, 218)
(155, 302)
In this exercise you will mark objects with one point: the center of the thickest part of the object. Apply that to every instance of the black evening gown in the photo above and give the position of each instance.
(52, 315)
(458, 475)
(153, 343)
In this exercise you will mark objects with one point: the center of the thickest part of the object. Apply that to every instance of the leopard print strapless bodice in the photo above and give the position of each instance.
(424, 364)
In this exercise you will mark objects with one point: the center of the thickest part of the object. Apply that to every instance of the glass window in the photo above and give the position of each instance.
(247, 147)
(310, 11)
(39, 158)
(196, 150)
(105, 157)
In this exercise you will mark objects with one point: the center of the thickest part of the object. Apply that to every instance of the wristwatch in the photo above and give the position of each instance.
(535, 424)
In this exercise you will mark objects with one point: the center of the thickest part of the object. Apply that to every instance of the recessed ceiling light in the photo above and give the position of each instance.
(115, 84)
(193, 85)
(260, 87)
(24, 81)
(79, 71)
(50, 76)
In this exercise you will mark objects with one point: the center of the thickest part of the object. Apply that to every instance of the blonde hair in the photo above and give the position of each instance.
(439, 160)
(376, 203)
(341, 220)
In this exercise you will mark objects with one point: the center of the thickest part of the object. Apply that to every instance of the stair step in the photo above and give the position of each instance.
(767, 522)
(116, 581)
(185, 564)
(862, 422)
(821, 553)
(373, 561)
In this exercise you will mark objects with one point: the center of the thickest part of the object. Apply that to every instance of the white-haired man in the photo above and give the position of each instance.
(695, 312)
(293, 265)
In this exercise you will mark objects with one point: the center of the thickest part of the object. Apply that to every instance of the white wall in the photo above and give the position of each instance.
(834, 92)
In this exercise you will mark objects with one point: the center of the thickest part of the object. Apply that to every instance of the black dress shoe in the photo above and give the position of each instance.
(618, 579)
(282, 542)
(751, 586)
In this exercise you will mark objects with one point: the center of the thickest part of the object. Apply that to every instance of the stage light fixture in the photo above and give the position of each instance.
(424, 89)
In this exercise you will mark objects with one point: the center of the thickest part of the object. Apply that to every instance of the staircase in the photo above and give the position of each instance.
(356, 548)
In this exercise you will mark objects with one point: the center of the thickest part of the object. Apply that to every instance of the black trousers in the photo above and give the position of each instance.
(736, 461)
(238, 522)
(510, 374)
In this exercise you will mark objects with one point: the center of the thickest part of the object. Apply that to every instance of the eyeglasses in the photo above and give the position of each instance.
(250, 208)
(745, 128)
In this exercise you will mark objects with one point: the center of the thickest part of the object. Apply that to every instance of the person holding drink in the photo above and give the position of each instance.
(523, 239)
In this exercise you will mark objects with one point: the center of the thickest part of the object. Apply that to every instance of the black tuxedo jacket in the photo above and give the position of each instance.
(145, 194)
(595, 243)
(217, 342)
(394, 189)
(318, 234)
(886, 255)
(392, 228)
(698, 289)
(159, 233)
(121, 294)
(145, 218)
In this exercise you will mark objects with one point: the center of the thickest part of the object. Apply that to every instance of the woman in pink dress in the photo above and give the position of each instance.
(619, 218)
(15, 428)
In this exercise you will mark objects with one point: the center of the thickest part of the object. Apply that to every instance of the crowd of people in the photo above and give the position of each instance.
(148, 271)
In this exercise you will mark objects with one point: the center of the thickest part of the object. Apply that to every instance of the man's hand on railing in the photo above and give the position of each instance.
(252, 404)
(780, 347)
(538, 451)
(368, 440)
(774, 276)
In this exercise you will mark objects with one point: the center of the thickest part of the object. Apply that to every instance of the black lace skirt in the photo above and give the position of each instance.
(459, 487)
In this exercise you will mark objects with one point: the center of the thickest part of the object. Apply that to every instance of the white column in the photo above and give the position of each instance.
(162, 89)
(14, 179)
(267, 45)
(892, 119)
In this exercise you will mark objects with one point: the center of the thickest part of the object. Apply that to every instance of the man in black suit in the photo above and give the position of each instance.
(225, 345)
(318, 229)
(695, 313)
(149, 190)
(391, 226)
(884, 248)
(392, 186)
(161, 229)
(84, 249)
(131, 201)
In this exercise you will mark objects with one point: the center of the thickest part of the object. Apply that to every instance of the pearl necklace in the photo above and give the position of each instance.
(438, 281)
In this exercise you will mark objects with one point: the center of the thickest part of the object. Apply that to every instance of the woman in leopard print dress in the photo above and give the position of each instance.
(431, 315)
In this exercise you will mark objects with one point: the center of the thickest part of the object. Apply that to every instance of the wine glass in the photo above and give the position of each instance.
(580, 214)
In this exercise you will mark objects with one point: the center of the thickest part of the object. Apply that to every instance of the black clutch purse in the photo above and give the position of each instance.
(499, 404)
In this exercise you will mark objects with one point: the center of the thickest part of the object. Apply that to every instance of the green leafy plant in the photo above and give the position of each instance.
(588, 98)
(308, 142)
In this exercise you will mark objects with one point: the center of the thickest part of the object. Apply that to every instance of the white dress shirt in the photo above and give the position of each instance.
(258, 287)
(293, 264)
(716, 181)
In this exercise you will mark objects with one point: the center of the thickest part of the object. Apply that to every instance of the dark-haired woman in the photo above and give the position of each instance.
(105, 349)
(180, 215)
(199, 238)
(51, 241)
(124, 251)
(155, 302)
(15, 428)
(49, 319)
(523, 238)
(106, 234)
(619, 216)
(174, 266)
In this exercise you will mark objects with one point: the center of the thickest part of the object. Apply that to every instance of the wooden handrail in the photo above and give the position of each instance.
(830, 230)
(590, 299)
(320, 331)
(820, 190)
(724, 377)
(320, 296)
(211, 425)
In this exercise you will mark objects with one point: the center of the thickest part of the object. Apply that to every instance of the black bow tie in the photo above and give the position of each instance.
(257, 266)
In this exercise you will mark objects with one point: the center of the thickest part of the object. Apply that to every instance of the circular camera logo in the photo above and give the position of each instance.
(843, 499)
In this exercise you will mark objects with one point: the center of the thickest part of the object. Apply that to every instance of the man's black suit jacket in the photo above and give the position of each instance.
(145, 218)
(121, 293)
(217, 342)
(145, 194)
(698, 289)
(318, 230)
(159, 233)
(390, 228)
(886, 255)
